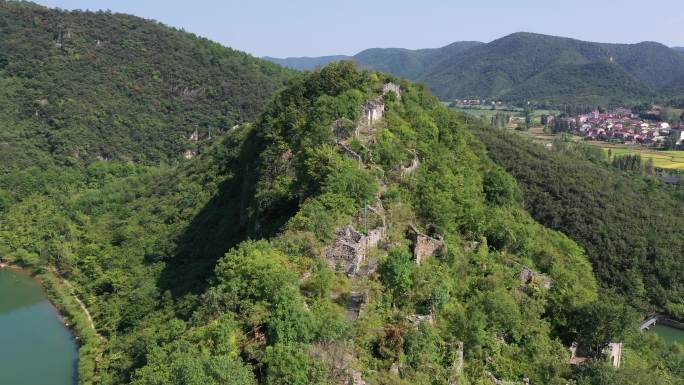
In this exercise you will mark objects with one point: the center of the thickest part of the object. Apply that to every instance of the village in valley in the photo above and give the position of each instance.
(621, 125)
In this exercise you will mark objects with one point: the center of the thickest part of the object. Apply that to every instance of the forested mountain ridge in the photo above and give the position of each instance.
(407, 63)
(510, 68)
(140, 245)
(82, 86)
(410, 64)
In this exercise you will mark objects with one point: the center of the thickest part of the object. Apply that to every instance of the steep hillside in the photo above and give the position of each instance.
(652, 63)
(635, 247)
(601, 82)
(384, 252)
(493, 70)
(306, 63)
(680, 49)
(80, 85)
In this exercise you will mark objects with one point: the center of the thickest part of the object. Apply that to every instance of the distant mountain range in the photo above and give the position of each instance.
(527, 66)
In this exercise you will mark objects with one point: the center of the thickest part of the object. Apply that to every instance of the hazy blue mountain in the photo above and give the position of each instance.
(306, 63)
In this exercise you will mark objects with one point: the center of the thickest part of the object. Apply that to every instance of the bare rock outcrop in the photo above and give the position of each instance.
(456, 370)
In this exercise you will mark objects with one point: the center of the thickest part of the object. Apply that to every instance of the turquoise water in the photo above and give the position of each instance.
(35, 347)
(669, 334)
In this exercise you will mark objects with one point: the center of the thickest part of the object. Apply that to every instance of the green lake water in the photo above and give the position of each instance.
(669, 334)
(35, 347)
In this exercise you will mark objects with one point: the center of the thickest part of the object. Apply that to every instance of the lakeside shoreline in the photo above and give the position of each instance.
(74, 316)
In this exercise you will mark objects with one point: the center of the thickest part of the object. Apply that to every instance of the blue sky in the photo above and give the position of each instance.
(313, 28)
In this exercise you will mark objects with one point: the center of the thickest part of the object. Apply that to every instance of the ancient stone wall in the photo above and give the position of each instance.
(391, 87)
(532, 278)
(424, 246)
(351, 247)
(372, 111)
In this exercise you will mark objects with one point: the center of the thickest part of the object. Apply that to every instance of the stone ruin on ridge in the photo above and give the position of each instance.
(532, 278)
(424, 246)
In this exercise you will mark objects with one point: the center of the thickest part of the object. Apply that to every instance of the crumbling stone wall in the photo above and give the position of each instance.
(424, 246)
(532, 278)
(372, 111)
(351, 247)
(387, 87)
(417, 319)
(415, 162)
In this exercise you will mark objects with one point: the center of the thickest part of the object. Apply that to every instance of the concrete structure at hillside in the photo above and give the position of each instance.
(612, 352)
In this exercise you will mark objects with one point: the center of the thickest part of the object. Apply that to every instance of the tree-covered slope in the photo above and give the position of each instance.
(650, 62)
(219, 270)
(630, 225)
(494, 69)
(604, 83)
(409, 64)
(81, 85)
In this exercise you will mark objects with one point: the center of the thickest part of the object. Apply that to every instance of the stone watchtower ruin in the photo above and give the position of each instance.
(387, 87)
(372, 111)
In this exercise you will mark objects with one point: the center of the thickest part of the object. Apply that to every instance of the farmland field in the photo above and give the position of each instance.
(673, 160)
(661, 159)
(486, 113)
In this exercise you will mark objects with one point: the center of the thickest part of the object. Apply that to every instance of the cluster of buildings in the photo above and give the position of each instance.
(477, 102)
(624, 126)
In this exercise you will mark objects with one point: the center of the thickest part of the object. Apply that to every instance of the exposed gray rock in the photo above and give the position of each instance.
(469, 247)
